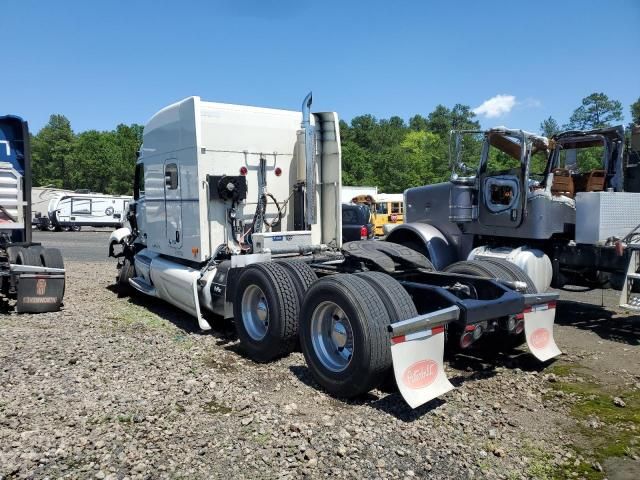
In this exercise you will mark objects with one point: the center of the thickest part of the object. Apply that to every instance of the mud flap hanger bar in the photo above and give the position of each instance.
(467, 311)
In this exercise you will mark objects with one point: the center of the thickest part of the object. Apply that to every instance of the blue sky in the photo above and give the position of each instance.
(101, 63)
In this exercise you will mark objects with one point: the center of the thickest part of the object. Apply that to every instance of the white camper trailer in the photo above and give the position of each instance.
(75, 210)
(237, 212)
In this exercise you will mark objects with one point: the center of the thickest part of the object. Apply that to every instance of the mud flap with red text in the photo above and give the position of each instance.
(418, 365)
(538, 328)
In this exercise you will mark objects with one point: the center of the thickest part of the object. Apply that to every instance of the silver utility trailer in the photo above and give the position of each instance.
(236, 213)
(30, 274)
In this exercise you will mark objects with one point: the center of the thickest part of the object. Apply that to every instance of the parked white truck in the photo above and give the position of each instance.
(236, 212)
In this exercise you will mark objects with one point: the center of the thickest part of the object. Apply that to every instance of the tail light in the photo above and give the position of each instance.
(471, 334)
(364, 232)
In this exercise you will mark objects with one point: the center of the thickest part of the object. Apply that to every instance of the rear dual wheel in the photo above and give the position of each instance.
(344, 336)
(36, 256)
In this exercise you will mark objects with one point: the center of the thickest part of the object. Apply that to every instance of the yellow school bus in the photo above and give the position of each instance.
(387, 209)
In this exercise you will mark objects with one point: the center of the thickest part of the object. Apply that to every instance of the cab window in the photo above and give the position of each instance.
(171, 176)
(138, 186)
(396, 207)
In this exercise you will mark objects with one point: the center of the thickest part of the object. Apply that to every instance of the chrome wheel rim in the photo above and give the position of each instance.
(332, 336)
(255, 312)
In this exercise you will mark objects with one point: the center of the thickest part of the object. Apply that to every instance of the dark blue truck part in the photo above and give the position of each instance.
(32, 275)
(15, 150)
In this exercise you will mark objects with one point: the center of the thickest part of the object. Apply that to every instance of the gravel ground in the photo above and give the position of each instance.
(128, 388)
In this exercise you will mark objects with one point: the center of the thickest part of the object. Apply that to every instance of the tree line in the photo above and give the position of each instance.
(100, 161)
(391, 154)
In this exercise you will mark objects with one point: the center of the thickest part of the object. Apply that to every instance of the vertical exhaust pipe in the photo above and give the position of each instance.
(310, 164)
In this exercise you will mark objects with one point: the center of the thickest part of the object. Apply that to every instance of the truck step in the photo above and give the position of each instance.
(633, 303)
(142, 286)
(633, 276)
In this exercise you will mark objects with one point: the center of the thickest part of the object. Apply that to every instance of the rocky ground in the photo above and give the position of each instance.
(128, 388)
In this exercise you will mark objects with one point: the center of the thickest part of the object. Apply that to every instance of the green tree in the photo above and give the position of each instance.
(94, 157)
(51, 152)
(596, 111)
(635, 112)
(549, 127)
(442, 120)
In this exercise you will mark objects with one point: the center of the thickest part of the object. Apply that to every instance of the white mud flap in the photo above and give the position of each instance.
(418, 365)
(538, 328)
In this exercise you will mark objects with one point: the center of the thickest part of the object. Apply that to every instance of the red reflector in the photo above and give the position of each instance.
(469, 328)
(437, 330)
(364, 233)
(278, 171)
(527, 309)
(520, 316)
(552, 304)
(243, 171)
(466, 340)
(398, 339)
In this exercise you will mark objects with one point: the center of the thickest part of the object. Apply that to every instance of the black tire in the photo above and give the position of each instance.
(52, 258)
(368, 320)
(302, 275)
(12, 254)
(514, 272)
(282, 310)
(475, 268)
(38, 249)
(396, 299)
(126, 271)
(399, 305)
(27, 256)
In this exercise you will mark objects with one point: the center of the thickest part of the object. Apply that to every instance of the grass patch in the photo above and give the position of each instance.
(133, 316)
(541, 465)
(618, 428)
(215, 408)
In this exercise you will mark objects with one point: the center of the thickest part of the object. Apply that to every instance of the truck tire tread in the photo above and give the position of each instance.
(302, 275)
(282, 340)
(515, 272)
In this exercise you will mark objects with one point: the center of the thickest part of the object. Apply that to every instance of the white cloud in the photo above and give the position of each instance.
(496, 106)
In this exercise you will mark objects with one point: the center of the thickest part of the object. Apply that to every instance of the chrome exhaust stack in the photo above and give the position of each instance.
(310, 162)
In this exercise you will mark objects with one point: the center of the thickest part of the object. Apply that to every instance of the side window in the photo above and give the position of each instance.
(396, 207)
(582, 160)
(171, 176)
(381, 208)
(138, 187)
(80, 206)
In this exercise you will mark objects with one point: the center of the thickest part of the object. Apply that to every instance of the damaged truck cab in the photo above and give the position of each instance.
(555, 208)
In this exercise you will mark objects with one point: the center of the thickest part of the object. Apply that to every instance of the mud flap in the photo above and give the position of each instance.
(39, 293)
(418, 365)
(538, 328)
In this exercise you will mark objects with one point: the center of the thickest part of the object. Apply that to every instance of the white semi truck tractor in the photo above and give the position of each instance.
(30, 275)
(236, 213)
